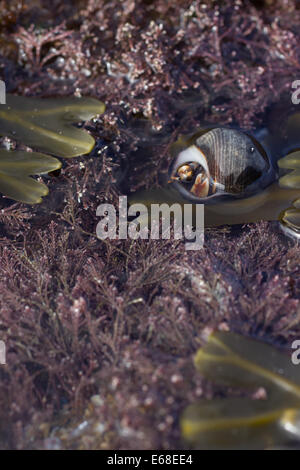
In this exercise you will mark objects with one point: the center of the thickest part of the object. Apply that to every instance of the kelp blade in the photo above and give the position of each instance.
(23, 189)
(233, 360)
(46, 124)
(15, 170)
(291, 180)
(242, 423)
(28, 163)
(292, 162)
(291, 219)
(239, 423)
(266, 205)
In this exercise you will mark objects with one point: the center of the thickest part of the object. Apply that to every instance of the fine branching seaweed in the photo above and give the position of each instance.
(100, 334)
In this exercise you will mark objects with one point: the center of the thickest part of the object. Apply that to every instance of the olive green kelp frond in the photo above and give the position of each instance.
(232, 360)
(240, 423)
(290, 162)
(15, 170)
(290, 218)
(46, 124)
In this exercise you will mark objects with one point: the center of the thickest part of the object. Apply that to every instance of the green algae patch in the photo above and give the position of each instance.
(234, 361)
(46, 124)
(292, 160)
(16, 167)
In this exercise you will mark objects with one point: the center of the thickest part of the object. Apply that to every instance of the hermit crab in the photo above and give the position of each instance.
(239, 176)
(221, 162)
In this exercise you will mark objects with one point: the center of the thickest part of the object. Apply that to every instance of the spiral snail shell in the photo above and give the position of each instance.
(221, 162)
(234, 174)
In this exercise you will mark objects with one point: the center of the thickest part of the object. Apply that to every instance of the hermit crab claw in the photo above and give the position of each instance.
(172, 179)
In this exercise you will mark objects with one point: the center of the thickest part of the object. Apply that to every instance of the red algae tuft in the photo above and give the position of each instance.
(100, 334)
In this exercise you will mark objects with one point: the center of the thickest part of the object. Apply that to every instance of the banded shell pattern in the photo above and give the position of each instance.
(222, 161)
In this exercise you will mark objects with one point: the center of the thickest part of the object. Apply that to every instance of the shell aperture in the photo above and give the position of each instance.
(221, 161)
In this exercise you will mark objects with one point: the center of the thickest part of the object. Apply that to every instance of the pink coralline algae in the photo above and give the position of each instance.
(100, 334)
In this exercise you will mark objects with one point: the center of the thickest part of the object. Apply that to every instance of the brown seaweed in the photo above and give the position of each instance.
(232, 360)
(15, 171)
(46, 125)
